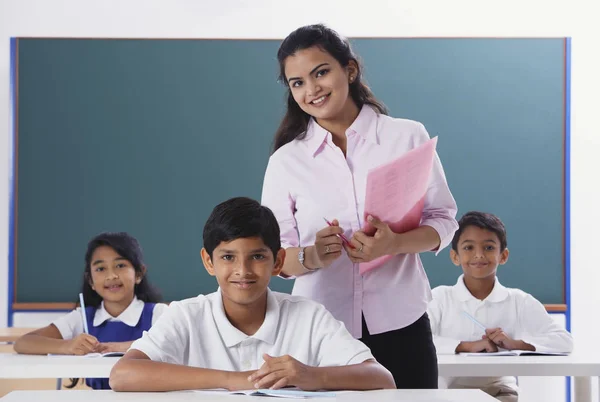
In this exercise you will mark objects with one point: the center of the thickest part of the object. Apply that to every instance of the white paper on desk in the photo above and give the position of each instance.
(286, 393)
(395, 193)
(515, 353)
(292, 393)
(107, 354)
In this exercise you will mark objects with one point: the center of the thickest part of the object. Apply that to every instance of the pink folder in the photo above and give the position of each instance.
(396, 193)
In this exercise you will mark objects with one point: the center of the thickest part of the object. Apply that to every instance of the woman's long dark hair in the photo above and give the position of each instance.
(294, 123)
(127, 247)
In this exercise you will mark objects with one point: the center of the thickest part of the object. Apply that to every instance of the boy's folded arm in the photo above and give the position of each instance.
(447, 346)
(135, 372)
(538, 329)
(363, 376)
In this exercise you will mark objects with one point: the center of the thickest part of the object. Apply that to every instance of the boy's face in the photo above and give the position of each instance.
(243, 268)
(478, 253)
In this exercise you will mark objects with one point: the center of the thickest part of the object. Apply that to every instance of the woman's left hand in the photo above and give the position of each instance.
(367, 248)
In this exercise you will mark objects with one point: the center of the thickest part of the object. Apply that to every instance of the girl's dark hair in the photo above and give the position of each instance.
(127, 247)
(294, 123)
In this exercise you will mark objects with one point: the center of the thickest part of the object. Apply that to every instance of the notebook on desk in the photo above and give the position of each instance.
(290, 393)
(515, 353)
(107, 354)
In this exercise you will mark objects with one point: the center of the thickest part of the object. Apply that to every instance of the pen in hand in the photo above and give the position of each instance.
(341, 235)
(470, 317)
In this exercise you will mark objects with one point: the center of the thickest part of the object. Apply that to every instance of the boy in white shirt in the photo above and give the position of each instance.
(245, 336)
(515, 320)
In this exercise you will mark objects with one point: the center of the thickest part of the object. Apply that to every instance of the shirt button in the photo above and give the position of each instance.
(246, 365)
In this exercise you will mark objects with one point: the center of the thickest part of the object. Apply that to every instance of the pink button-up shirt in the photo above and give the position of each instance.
(307, 180)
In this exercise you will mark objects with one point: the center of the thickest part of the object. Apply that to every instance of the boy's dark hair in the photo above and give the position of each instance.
(127, 247)
(294, 123)
(241, 217)
(481, 220)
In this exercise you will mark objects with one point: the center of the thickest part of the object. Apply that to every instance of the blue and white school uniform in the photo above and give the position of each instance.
(128, 326)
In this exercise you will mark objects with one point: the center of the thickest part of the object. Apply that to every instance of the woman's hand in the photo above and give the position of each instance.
(328, 245)
(367, 248)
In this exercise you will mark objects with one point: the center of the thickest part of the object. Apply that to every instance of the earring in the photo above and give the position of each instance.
(351, 79)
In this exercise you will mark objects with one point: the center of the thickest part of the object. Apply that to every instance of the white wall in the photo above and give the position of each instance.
(268, 19)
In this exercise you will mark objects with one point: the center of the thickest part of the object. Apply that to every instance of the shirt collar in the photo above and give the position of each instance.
(130, 316)
(233, 336)
(499, 292)
(364, 125)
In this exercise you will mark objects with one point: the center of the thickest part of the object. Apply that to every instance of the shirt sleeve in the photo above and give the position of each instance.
(435, 311)
(439, 211)
(276, 196)
(337, 346)
(70, 325)
(167, 340)
(159, 309)
(540, 330)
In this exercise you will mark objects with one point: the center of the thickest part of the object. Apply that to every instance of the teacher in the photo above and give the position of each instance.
(333, 132)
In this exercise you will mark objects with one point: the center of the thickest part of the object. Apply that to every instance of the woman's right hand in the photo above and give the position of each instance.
(81, 345)
(328, 245)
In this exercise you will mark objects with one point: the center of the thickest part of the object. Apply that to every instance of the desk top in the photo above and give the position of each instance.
(576, 365)
(36, 366)
(31, 366)
(442, 395)
(12, 334)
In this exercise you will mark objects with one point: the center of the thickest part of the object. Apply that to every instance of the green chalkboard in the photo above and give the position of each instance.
(146, 136)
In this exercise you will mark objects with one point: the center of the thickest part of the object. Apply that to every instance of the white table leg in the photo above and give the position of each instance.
(583, 389)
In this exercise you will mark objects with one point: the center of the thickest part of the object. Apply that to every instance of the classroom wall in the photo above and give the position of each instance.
(269, 19)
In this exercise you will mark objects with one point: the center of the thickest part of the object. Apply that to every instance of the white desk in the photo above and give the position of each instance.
(581, 367)
(32, 366)
(446, 395)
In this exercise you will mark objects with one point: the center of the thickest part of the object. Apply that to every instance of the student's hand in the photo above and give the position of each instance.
(500, 338)
(367, 248)
(107, 347)
(484, 345)
(238, 380)
(81, 345)
(279, 372)
(328, 246)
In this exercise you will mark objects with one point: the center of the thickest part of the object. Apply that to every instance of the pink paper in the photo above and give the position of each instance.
(396, 192)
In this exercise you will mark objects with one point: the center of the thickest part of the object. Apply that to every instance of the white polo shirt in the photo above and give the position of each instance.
(71, 325)
(518, 313)
(196, 332)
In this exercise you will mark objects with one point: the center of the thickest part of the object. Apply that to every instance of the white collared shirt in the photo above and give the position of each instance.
(196, 332)
(519, 314)
(71, 325)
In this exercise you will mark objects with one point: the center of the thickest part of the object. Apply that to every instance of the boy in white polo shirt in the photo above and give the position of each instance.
(514, 320)
(244, 335)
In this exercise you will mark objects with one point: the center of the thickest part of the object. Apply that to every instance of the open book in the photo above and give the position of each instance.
(291, 393)
(107, 354)
(516, 353)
